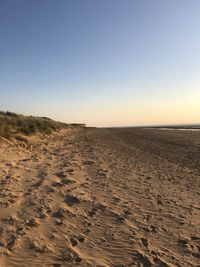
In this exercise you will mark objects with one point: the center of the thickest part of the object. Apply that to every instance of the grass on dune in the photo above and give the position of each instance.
(17, 126)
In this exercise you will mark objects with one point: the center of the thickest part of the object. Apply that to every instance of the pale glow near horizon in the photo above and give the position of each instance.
(184, 110)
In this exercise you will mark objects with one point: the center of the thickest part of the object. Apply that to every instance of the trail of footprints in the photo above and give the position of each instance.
(38, 197)
(78, 207)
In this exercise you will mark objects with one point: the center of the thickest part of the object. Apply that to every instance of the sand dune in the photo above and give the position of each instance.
(101, 197)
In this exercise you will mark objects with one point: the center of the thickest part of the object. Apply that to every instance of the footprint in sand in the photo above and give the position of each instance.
(88, 162)
(92, 212)
(70, 256)
(57, 184)
(73, 242)
(33, 222)
(141, 259)
(60, 213)
(60, 174)
(144, 242)
(116, 200)
(14, 242)
(71, 200)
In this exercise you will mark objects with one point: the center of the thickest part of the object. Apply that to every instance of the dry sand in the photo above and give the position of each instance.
(101, 197)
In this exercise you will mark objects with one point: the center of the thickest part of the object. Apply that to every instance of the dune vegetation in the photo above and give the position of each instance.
(18, 126)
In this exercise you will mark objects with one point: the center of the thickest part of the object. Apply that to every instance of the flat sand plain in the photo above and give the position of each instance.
(101, 197)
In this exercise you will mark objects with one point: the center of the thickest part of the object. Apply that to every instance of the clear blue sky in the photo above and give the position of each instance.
(105, 62)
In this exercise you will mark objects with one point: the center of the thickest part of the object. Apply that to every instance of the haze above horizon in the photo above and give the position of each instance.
(103, 63)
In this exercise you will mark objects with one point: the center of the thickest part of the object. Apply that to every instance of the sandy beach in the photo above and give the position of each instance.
(101, 197)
